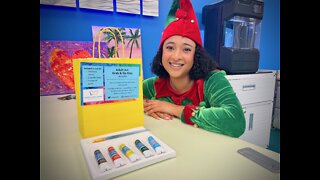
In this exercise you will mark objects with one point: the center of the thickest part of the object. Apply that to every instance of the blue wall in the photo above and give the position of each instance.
(270, 36)
(74, 24)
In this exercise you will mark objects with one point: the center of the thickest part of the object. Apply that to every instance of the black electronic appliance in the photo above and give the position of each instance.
(232, 34)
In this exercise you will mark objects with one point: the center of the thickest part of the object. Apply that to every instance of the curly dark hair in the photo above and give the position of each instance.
(203, 64)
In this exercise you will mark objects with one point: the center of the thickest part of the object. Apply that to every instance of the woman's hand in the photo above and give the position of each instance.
(162, 109)
(156, 115)
(159, 115)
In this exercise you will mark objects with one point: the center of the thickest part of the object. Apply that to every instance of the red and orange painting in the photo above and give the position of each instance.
(56, 69)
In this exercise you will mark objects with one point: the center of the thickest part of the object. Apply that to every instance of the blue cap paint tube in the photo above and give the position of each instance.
(143, 149)
(102, 162)
(155, 145)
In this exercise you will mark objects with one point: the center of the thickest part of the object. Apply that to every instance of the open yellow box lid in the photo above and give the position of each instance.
(108, 94)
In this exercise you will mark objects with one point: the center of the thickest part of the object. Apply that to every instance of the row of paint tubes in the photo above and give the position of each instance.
(118, 161)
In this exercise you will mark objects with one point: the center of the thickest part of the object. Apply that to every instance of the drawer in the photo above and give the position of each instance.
(258, 123)
(252, 90)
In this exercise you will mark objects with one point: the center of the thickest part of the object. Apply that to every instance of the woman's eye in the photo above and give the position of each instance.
(187, 49)
(169, 48)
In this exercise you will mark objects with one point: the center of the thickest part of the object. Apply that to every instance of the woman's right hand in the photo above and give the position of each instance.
(156, 115)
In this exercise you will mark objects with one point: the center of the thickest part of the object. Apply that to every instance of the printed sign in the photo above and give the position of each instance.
(105, 83)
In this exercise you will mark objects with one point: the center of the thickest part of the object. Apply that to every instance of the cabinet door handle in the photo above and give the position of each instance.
(248, 87)
(250, 121)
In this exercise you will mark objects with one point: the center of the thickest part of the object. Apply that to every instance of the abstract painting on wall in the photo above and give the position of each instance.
(68, 3)
(105, 5)
(131, 40)
(56, 69)
(150, 7)
(128, 6)
(56, 57)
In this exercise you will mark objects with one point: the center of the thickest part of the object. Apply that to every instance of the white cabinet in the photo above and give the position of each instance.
(256, 95)
(276, 104)
(258, 123)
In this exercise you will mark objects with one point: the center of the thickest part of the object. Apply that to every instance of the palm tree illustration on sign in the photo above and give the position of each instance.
(133, 39)
(115, 34)
(111, 51)
(131, 44)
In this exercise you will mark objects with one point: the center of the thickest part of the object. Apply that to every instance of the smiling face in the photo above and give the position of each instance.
(178, 56)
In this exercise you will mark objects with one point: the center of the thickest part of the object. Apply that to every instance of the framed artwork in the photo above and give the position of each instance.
(105, 5)
(150, 7)
(128, 6)
(68, 3)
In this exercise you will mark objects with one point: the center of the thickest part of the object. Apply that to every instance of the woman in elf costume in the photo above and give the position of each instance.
(188, 84)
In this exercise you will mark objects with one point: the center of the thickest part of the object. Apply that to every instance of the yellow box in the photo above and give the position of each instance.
(97, 119)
